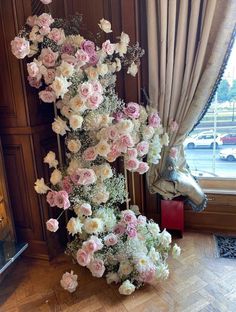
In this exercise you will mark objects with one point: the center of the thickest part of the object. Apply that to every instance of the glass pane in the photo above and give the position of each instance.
(211, 148)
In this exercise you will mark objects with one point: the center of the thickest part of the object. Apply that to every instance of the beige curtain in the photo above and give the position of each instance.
(187, 42)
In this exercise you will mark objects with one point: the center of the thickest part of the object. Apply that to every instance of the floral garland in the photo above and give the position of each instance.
(78, 77)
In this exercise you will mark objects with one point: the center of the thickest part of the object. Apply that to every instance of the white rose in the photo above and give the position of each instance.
(73, 165)
(133, 69)
(125, 268)
(124, 38)
(50, 159)
(148, 132)
(112, 277)
(125, 126)
(40, 187)
(93, 225)
(56, 177)
(59, 126)
(153, 229)
(103, 148)
(105, 25)
(164, 238)
(77, 104)
(60, 86)
(154, 255)
(176, 251)
(121, 48)
(126, 288)
(101, 196)
(76, 121)
(74, 145)
(165, 139)
(105, 171)
(162, 271)
(66, 69)
(118, 64)
(102, 69)
(74, 226)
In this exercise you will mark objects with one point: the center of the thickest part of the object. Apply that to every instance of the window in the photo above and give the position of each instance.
(210, 148)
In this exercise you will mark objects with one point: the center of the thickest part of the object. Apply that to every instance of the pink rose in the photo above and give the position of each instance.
(154, 120)
(118, 116)
(31, 20)
(52, 225)
(142, 168)
(112, 133)
(128, 216)
(20, 47)
(83, 177)
(86, 209)
(132, 110)
(124, 142)
(142, 220)
(57, 35)
(34, 82)
(93, 244)
(174, 126)
(97, 267)
(67, 48)
(113, 154)
(132, 164)
(46, 1)
(108, 47)
(62, 200)
(68, 58)
(47, 96)
(120, 228)
(142, 148)
(173, 152)
(44, 20)
(90, 154)
(49, 75)
(48, 57)
(51, 198)
(110, 240)
(147, 276)
(45, 30)
(97, 87)
(94, 101)
(93, 59)
(83, 258)
(82, 57)
(66, 185)
(89, 47)
(131, 231)
(85, 90)
(132, 152)
(69, 281)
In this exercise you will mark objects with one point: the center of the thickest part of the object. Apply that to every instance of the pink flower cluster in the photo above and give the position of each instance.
(59, 199)
(85, 256)
(83, 176)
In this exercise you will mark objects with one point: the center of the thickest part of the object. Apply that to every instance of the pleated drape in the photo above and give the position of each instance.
(187, 42)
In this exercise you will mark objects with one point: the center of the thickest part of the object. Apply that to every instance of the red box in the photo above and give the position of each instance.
(172, 215)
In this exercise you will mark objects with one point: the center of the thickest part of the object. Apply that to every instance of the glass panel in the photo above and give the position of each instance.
(211, 148)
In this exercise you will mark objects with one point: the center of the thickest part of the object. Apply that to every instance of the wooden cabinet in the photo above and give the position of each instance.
(219, 215)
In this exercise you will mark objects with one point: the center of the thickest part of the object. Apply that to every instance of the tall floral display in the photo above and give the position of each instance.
(78, 77)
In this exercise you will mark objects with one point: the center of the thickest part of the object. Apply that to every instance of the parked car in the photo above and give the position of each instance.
(228, 154)
(203, 140)
(229, 138)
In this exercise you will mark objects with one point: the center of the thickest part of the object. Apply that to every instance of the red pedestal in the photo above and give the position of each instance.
(172, 215)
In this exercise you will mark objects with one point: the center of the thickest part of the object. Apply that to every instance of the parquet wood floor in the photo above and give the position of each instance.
(198, 282)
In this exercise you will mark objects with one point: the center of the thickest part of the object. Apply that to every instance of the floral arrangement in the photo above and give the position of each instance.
(78, 77)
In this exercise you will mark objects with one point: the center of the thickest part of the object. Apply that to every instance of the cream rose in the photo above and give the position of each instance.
(59, 126)
(56, 177)
(93, 225)
(105, 25)
(40, 187)
(126, 288)
(74, 226)
(74, 145)
(76, 121)
(60, 86)
(50, 159)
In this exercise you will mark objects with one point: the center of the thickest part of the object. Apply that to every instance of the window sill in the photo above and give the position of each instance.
(219, 191)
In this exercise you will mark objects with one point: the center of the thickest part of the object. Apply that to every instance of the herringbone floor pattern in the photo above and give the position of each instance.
(198, 282)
